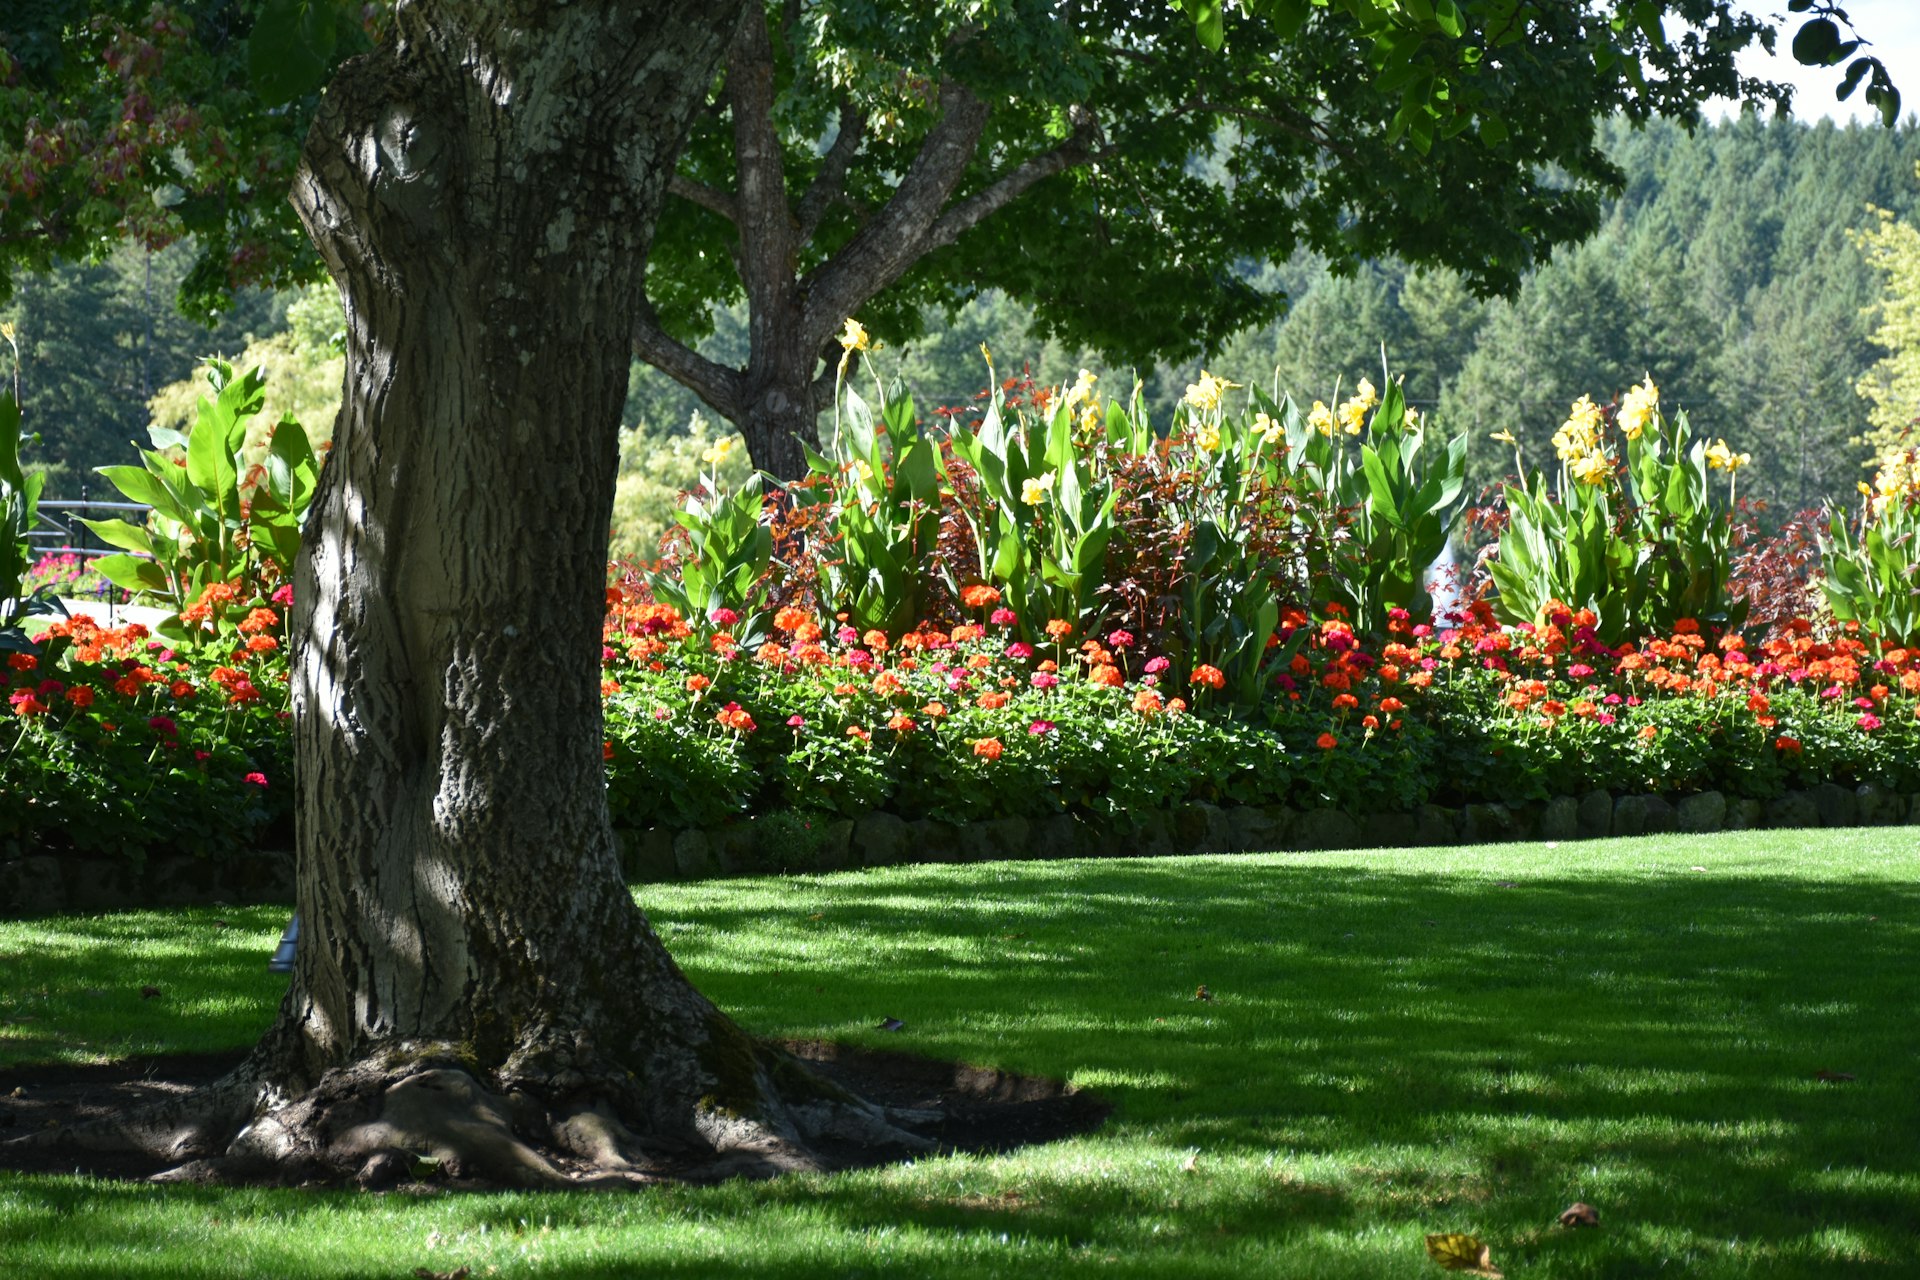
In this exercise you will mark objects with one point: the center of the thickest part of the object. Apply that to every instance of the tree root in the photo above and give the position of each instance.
(417, 1113)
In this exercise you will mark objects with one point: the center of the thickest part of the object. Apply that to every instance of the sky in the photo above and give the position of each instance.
(1891, 26)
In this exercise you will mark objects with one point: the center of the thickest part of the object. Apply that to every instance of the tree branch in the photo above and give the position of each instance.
(1012, 185)
(706, 197)
(829, 185)
(716, 384)
(896, 237)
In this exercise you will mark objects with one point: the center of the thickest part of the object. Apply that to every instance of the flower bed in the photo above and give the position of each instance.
(969, 723)
(123, 745)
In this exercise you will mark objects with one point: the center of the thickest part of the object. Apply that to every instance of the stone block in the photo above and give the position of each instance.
(183, 880)
(1878, 806)
(1487, 824)
(1596, 815)
(692, 855)
(1560, 819)
(1836, 805)
(647, 856)
(930, 841)
(1794, 809)
(735, 849)
(1643, 815)
(1153, 836)
(263, 876)
(1203, 828)
(1389, 830)
(993, 840)
(32, 887)
(1055, 837)
(101, 884)
(1325, 829)
(880, 840)
(1702, 812)
(1745, 814)
(1436, 826)
(836, 844)
(1251, 829)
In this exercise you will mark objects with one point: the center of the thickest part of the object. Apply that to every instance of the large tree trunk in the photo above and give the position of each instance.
(474, 980)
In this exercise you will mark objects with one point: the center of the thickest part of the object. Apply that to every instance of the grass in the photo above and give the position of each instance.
(1398, 1043)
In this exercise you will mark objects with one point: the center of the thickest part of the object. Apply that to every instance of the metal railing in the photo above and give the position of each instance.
(61, 533)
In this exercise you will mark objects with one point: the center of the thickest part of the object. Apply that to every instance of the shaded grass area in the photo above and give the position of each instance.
(1396, 1043)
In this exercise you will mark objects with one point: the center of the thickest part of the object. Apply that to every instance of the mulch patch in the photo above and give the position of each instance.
(981, 1109)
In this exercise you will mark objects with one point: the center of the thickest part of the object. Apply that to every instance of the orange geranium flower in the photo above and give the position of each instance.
(988, 748)
(1326, 742)
(1059, 628)
(991, 701)
(979, 596)
(1210, 676)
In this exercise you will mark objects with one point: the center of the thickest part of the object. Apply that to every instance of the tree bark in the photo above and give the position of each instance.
(474, 980)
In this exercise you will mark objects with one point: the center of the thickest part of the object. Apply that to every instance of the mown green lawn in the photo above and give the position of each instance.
(1397, 1043)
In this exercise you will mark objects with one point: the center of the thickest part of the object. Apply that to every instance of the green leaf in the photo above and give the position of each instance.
(118, 533)
(1817, 43)
(131, 573)
(137, 484)
(290, 48)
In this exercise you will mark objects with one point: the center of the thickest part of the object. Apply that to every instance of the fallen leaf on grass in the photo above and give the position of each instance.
(1696, 868)
(818, 915)
(1580, 1214)
(1203, 993)
(1191, 1164)
(458, 1273)
(893, 1024)
(1505, 884)
(149, 993)
(1833, 1077)
(1458, 1252)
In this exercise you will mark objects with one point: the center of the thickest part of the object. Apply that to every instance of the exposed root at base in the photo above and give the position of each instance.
(412, 1116)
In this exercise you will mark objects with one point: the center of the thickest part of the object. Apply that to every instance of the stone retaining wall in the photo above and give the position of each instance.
(883, 839)
(47, 884)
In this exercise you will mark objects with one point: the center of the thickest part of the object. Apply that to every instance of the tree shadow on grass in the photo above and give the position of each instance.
(1383, 1052)
(1670, 1042)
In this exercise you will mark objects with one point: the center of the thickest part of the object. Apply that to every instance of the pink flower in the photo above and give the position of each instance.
(724, 617)
(1868, 722)
(1865, 704)
(1019, 649)
(257, 779)
(164, 726)
(846, 635)
(1421, 630)
(284, 594)
(1579, 670)
(1156, 665)
(1003, 617)
(1041, 728)
(1045, 680)
(1605, 717)
(796, 721)
(1120, 639)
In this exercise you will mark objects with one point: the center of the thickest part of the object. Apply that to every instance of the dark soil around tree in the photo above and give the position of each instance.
(980, 1109)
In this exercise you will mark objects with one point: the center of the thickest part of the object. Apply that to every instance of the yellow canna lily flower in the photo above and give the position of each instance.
(854, 336)
(718, 454)
(1505, 436)
(1034, 491)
